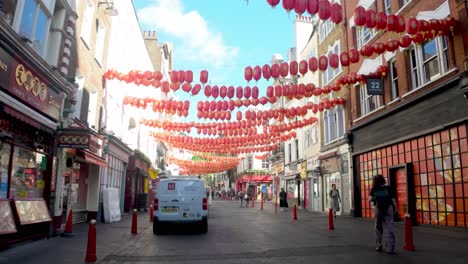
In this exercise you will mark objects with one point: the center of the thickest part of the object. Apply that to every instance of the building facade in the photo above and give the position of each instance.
(415, 133)
(36, 85)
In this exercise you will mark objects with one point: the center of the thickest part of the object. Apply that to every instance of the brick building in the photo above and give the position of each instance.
(415, 133)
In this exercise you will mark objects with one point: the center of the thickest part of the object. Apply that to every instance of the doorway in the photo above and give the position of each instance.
(401, 182)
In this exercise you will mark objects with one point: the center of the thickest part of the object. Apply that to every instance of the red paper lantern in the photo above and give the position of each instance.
(344, 59)
(379, 47)
(278, 90)
(239, 92)
(423, 25)
(263, 100)
(435, 26)
(255, 92)
(367, 50)
(196, 89)
(186, 87)
(301, 89)
(232, 105)
(451, 23)
(303, 67)
(381, 20)
(266, 71)
(418, 38)
(230, 92)
(405, 41)
(204, 76)
(286, 90)
(225, 105)
(300, 6)
(313, 64)
(215, 91)
(269, 91)
(336, 13)
(284, 69)
(401, 24)
(334, 61)
(207, 90)
(181, 76)
(323, 62)
(392, 23)
(412, 26)
(165, 87)
(275, 71)
(273, 3)
(248, 73)
(174, 76)
(288, 5)
(309, 88)
(257, 73)
(223, 91)
(353, 55)
(247, 91)
(359, 16)
(293, 68)
(392, 45)
(371, 18)
(213, 105)
(324, 9)
(239, 115)
(312, 6)
(189, 76)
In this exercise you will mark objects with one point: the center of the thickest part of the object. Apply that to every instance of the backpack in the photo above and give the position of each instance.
(382, 198)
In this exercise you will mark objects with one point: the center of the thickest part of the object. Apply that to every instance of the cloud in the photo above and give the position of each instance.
(198, 42)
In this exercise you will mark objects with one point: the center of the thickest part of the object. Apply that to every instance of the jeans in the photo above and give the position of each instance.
(384, 222)
(241, 201)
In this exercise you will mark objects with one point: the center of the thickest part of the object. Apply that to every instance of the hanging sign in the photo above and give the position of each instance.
(375, 87)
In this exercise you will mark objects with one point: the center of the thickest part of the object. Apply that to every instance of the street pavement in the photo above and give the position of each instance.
(247, 235)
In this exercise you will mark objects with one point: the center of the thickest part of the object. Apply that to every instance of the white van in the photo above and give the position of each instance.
(180, 200)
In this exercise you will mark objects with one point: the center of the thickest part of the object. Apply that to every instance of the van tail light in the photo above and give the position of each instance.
(205, 204)
(156, 204)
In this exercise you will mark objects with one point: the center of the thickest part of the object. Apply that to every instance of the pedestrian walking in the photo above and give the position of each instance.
(240, 195)
(383, 201)
(283, 199)
(335, 200)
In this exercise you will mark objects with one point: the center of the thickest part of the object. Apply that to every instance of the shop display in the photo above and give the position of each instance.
(5, 150)
(32, 211)
(7, 223)
(27, 174)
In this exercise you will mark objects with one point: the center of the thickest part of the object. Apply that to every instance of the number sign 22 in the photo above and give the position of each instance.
(171, 186)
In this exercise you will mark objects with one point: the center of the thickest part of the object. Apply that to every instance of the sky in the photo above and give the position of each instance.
(221, 36)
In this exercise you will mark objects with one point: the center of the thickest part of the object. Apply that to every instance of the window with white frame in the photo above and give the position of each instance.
(329, 74)
(428, 61)
(87, 23)
(388, 6)
(7, 10)
(33, 23)
(92, 109)
(100, 41)
(325, 27)
(363, 35)
(369, 103)
(311, 136)
(265, 164)
(393, 79)
(403, 3)
(333, 124)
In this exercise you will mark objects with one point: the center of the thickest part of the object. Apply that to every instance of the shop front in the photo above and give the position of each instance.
(82, 165)
(30, 108)
(136, 184)
(256, 185)
(330, 172)
(425, 160)
(112, 182)
(316, 191)
(291, 183)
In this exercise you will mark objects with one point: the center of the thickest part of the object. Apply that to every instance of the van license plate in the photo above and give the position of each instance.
(170, 210)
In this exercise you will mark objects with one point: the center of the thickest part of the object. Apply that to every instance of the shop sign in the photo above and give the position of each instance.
(24, 83)
(303, 170)
(375, 87)
(329, 165)
(74, 139)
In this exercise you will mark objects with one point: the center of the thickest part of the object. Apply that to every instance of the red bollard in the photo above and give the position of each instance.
(330, 220)
(253, 202)
(134, 222)
(409, 245)
(276, 204)
(68, 232)
(151, 214)
(261, 203)
(295, 212)
(91, 248)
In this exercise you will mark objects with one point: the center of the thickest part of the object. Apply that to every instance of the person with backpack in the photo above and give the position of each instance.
(335, 200)
(383, 201)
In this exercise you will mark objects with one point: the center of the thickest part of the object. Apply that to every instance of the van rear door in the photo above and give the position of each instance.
(180, 200)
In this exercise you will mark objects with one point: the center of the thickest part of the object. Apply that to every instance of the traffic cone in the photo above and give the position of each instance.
(409, 245)
(151, 214)
(295, 212)
(134, 222)
(330, 220)
(91, 248)
(68, 232)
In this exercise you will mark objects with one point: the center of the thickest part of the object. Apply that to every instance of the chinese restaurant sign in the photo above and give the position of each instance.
(22, 82)
(74, 139)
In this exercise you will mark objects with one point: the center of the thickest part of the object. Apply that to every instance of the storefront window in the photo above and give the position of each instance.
(27, 175)
(5, 150)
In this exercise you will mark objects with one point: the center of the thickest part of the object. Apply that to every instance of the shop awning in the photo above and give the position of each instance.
(94, 159)
(327, 156)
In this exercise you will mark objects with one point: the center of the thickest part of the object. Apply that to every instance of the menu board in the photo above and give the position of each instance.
(7, 223)
(32, 211)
